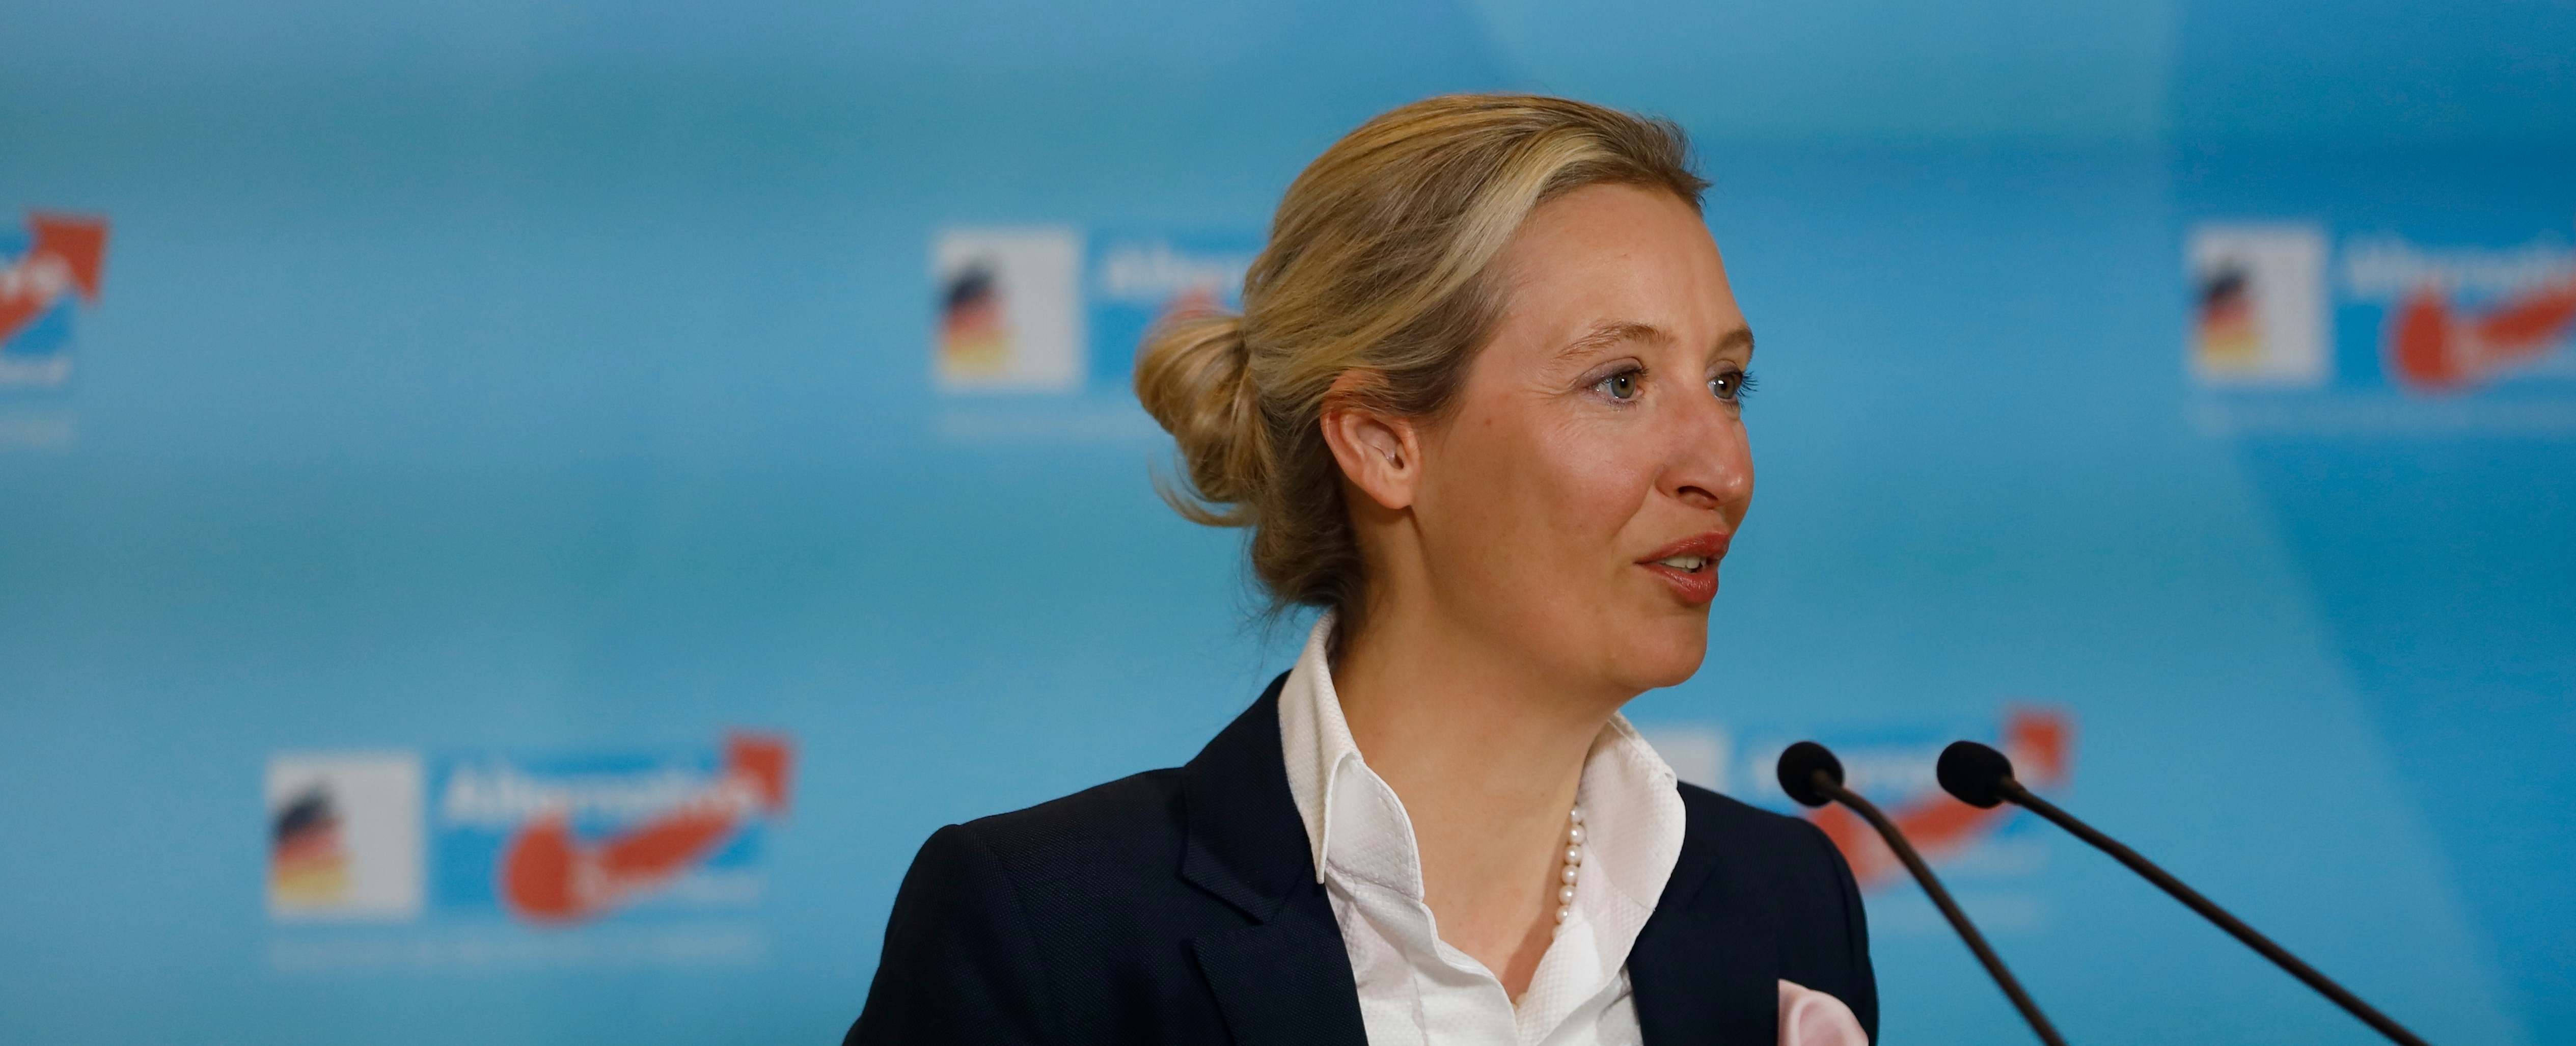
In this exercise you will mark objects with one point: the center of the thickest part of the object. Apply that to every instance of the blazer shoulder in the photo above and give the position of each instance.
(1731, 847)
(1781, 875)
(1132, 812)
(1735, 823)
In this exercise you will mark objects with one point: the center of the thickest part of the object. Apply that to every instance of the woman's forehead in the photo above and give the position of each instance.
(1618, 253)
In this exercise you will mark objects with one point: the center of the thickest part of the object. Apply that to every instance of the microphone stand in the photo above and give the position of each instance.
(1823, 781)
(2004, 786)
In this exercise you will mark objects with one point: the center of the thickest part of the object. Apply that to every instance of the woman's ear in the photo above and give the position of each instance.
(1380, 453)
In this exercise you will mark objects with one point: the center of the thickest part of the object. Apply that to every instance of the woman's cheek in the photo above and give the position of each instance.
(1607, 483)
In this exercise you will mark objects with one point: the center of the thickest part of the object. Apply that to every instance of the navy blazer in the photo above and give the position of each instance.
(1180, 906)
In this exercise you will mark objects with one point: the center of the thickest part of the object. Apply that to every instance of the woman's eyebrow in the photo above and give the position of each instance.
(1739, 338)
(1605, 335)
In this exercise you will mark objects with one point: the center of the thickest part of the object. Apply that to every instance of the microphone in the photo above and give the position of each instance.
(1812, 776)
(1981, 777)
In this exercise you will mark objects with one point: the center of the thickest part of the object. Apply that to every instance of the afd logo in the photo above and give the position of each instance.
(1057, 309)
(540, 840)
(652, 830)
(45, 269)
(561, 840)
(2461, 317)
(1901, 779)
(1894, 765)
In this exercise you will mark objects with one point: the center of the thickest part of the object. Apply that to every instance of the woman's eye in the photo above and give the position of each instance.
(1731, 385)
(1620, 386)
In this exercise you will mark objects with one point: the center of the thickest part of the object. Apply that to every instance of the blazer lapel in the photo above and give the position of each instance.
(1286, 981)
(1701, 974)
(1286, 978)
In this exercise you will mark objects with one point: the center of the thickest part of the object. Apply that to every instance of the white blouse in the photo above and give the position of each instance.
(1417, 990)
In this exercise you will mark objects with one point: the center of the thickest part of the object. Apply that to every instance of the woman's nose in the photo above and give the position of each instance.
(1708, 464)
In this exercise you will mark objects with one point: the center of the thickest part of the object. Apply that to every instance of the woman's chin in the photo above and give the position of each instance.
(1664, 655)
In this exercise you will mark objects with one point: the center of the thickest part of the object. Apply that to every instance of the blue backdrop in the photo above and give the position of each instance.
(512, 526)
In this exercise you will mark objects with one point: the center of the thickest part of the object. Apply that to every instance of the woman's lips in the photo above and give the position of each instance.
(1690, 565)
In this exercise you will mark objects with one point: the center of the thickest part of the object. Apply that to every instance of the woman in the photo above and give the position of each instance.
(1482, 409)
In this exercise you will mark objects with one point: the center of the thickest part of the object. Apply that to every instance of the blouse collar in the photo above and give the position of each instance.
(1633, 811)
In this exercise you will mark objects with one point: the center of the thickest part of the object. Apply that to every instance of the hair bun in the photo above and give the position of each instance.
(1193, 374)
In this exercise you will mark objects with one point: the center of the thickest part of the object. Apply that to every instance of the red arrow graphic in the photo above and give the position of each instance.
(549, 875)
(64, 257)
(2041, 744)
(2432, 345)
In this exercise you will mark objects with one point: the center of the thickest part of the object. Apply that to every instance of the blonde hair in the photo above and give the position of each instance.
(1380, 261)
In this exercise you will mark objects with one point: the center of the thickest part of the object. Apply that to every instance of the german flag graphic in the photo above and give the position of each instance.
(307, 864)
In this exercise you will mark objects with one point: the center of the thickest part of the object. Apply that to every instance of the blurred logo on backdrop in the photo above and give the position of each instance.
(2454, 319)
(468, 858)
(1035, 329)
(1901, 780)
(567, 839)
(2261, 305)
(344, 838)
(48, 267)
(1991, 858)
(2380, 331)
(1010, 309)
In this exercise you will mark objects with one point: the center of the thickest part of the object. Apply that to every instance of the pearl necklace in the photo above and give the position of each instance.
(1573, 865)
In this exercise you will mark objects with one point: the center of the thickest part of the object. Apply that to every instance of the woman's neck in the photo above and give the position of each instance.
(1486, 757)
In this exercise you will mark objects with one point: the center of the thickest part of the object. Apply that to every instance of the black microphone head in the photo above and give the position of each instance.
(1798, 766)
(1974, 773)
